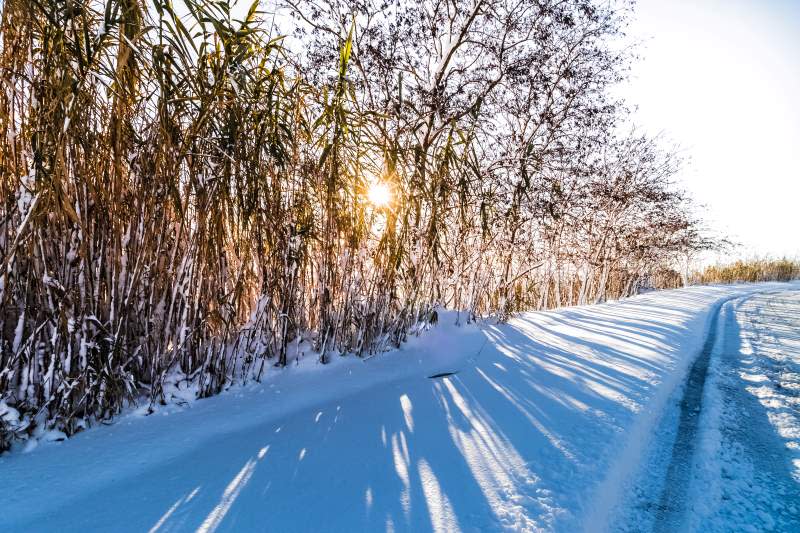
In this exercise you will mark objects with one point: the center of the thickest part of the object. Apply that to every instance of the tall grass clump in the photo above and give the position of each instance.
(750, 271)
(189, 189)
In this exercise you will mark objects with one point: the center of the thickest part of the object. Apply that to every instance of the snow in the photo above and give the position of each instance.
(739, 470)
(8, 414)
(751, 434)
(541, 424)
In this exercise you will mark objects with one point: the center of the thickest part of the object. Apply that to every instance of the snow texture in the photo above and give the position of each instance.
(727, 458)
(748, 469)
(536, 425)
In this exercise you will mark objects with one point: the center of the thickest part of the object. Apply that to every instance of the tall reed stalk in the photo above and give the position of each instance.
(185, 200)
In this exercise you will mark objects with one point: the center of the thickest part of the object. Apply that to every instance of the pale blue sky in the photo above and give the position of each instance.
(722, 79)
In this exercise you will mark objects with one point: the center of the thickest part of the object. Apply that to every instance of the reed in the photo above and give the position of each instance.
(187, 199)
(749, 271)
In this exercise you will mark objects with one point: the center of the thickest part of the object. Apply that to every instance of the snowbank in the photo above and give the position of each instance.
(537, 427)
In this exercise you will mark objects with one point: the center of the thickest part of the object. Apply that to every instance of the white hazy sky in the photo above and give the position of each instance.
(722, 79)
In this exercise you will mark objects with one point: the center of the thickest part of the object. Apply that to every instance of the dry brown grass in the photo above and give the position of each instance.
(179, 198)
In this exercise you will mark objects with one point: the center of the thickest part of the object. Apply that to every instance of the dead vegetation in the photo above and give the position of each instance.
(184, 193)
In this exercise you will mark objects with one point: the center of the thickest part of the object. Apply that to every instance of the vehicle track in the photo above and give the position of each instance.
(751, 484)
(671, 507)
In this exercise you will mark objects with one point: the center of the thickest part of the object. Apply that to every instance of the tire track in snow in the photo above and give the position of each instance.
(746, 479)
(672, 504)
(675, 506)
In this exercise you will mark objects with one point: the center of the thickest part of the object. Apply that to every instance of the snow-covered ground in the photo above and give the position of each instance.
(752, 432)
(735, 462)
(544, 424)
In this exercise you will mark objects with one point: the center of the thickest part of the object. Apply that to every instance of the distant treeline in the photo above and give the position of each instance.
(191, 191)
(750, 271)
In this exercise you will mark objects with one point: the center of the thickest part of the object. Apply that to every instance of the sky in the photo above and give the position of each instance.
(721, 78)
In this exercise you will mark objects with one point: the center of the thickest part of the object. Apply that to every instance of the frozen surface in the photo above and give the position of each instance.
(541, 426)
(748, 469)
(732, 462)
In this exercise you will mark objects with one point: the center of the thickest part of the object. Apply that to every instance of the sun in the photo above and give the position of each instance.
(379, 194)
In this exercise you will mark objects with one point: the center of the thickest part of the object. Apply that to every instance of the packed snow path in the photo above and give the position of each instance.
(540, 424)
(735, 461)
(672, 503)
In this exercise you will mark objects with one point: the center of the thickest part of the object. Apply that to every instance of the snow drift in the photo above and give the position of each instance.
(531, 425)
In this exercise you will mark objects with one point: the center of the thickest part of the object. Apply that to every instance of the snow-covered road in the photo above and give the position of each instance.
(542, 426)
(755, 437)
(733, 462)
